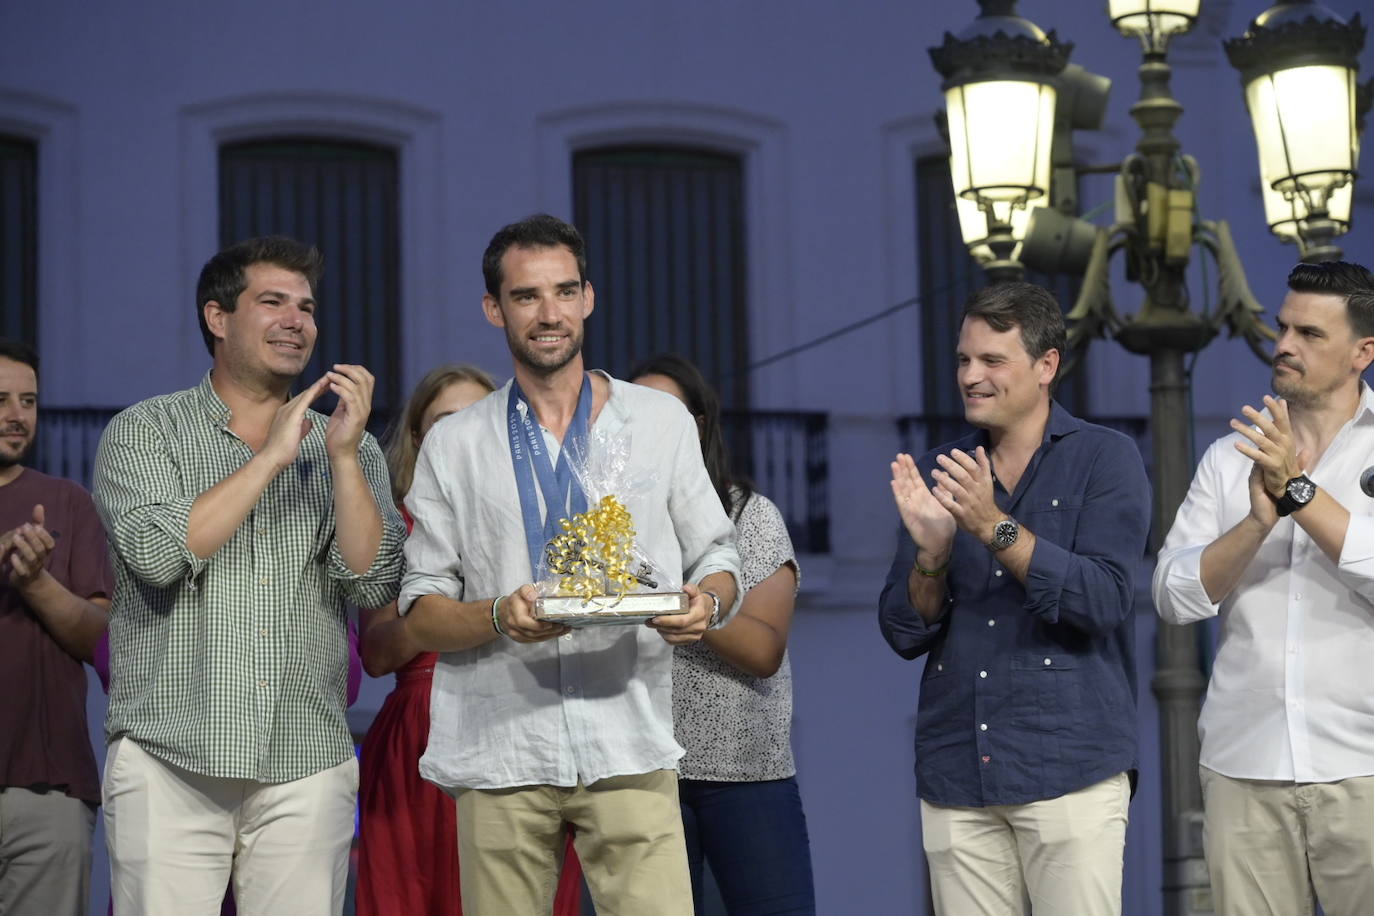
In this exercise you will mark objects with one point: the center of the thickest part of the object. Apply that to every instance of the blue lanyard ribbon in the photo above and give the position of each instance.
(563, 496)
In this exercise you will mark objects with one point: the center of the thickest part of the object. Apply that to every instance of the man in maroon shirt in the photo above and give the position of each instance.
(54, 586)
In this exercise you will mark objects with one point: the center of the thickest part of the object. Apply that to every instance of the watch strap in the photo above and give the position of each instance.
(1286, 505)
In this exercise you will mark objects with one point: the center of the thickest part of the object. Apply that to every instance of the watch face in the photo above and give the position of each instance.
(1301, 490)
(1004, 535)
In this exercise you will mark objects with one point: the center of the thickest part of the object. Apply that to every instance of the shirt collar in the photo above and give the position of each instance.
(1061, 422)
(614, 412)
(210, 401)
(1364, 413)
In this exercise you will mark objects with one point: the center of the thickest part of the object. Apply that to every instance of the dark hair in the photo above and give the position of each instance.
(538, 231)
(401, 450)
(704, 405)
(20, 352)
(1031, 308)
(222, 279)
(1340, 278)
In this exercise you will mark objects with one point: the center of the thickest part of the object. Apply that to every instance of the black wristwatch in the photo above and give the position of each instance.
(1004, 535)
(1297, 493)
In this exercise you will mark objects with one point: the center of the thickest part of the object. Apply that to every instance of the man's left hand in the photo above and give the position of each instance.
(685, 629)
(353, 385)
(26, 551)
(1271, 446)
(965, 489)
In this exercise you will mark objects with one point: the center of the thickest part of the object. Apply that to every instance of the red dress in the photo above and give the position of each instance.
(408, 838)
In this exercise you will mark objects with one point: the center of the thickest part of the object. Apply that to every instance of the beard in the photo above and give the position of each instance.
(544, 363)
(9, 459)
(1290, 387)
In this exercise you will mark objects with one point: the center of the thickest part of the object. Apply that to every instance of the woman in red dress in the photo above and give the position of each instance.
(408, 836)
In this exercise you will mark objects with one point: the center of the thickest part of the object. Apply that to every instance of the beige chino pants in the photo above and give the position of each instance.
(1057, 857)
(175, 837)
(628, 838)
(1274, 847)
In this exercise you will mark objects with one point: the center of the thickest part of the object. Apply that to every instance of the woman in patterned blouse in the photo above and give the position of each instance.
(732, 697)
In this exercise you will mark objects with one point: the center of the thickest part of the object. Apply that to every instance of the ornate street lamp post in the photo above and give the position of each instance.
(1298, 62)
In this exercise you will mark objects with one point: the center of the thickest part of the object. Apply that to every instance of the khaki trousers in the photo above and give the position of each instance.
(1274, 846)
(1057, 857)
(175, 837)
(45, 853)
(628, 836)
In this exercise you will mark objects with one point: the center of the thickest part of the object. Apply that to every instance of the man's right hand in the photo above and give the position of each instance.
(515, 612)
(930, 524)
(290, 426)
(24, 551)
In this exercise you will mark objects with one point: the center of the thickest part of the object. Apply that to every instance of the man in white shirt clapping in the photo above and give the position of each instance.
(1276, 537)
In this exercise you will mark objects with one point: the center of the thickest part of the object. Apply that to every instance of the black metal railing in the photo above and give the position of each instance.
(69, 436)
(785, 452)
(67, 440)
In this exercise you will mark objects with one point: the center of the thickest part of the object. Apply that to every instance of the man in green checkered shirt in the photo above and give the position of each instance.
(241, 522)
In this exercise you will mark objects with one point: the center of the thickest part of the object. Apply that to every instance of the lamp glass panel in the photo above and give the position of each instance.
(1159, 17)
(1284, 215)
(973, 226)
(1000, 134)
(1303, 119)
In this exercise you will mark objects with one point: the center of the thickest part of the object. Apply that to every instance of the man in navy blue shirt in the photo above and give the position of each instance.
(1016, 578)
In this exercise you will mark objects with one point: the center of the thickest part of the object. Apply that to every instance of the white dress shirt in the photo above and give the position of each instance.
(1292, 689)
(596, 702)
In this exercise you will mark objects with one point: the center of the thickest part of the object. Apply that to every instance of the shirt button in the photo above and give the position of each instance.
(567, 637)
(570, 690)
(940, 666)
(992, 623)
(1047, 661)
(1297, 596)
(262, 531)
(983, 727)
(998, 573)
(982, 674)
(264, 580)
(1054, 502)
(262, 683)
(262, 632)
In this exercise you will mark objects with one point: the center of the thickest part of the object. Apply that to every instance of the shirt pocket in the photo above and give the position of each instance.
(942, 702)
(1046, 690)
(1054, 518)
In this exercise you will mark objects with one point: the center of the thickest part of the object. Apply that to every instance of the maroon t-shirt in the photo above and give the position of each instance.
(43, 734)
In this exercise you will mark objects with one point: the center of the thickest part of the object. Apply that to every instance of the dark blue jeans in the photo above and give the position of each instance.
(753, 834)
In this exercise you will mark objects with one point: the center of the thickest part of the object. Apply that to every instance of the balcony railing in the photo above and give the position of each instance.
(785, 452)
(69, 436)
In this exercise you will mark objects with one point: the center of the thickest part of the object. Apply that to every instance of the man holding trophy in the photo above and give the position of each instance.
(565, 499)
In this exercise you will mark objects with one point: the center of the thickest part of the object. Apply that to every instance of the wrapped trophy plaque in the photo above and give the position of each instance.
(597, 576)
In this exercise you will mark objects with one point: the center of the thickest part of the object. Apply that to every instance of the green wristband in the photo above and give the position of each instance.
(495, 619)
(932, 573)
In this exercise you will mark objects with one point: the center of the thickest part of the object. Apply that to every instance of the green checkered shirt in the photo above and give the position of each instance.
(235, 666)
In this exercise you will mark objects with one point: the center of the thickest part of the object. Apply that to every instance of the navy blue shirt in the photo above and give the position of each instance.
(1029, 690)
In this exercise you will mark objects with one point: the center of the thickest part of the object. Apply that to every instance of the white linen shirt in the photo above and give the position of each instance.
(1292, 691)
(596, 702)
